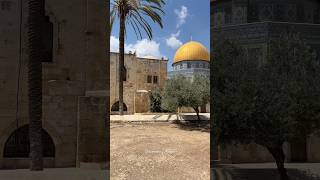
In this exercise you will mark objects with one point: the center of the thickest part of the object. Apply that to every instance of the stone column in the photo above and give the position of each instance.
(92, 128)
(93, 108)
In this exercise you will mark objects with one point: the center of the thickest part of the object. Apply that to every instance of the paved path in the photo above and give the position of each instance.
(159, 151)
(158, 117)
(54, 174)
(266, 171)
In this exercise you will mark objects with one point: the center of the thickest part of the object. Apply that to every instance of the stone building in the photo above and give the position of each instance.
(75, 83)
(190, 59)
(252, 23)
(142, 76)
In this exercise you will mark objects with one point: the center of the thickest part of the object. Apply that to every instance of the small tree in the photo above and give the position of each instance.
(182, 92)
(199, 93)
(267, 103)
(173, 94)
(155, 101)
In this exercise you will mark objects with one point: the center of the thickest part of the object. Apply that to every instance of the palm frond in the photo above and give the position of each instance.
(135, 12)
(112, 19)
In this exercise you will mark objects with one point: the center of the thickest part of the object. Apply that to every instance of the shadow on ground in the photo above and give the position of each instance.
(194, 125)
(231, 173)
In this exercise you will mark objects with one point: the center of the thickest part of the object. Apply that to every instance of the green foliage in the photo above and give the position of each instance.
(269, 102)
(199, 93)
(135, 11)
(182, 92)
(174, 93)
(155, 101)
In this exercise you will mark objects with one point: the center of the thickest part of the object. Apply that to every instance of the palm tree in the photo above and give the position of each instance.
(131, 12)
(35, 24)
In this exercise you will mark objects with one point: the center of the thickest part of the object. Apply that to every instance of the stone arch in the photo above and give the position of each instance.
(57, 140)
(17, 145)
(115, 107)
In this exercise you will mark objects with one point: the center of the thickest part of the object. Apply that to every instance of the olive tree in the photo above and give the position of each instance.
(267, 102)
(183, 92)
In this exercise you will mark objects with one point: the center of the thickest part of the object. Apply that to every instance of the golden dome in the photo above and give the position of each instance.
(191, 51)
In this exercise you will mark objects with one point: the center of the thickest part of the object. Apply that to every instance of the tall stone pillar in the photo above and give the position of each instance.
(92, 140)
(93, 108)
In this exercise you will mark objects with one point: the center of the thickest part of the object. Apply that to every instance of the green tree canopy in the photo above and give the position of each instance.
(182, 92)
(269, 102)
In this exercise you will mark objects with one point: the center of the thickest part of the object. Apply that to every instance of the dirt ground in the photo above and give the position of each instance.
(159, 151)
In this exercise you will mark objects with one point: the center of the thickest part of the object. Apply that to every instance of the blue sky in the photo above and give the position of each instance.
(184, 19)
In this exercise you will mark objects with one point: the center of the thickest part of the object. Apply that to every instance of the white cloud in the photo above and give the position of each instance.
(143, 48)
(173, 42)
(182, 15)
(114, 44)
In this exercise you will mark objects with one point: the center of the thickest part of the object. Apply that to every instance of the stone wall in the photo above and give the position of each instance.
(92, 128)
(230, 12)
(313, 148)
(251, 153)
(129, 86)
(79, 67)
(136, 88)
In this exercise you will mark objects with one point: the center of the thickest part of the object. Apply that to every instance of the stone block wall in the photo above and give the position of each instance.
(92, 128)
(79, 67)
(313, 148)
(129, 85)
(137, 71)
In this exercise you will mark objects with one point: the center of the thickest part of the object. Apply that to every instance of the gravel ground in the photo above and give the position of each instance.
(159, 151)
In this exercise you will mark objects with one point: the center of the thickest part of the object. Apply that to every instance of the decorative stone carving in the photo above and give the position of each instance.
(239, 15)
(291, 14)
(265, 12)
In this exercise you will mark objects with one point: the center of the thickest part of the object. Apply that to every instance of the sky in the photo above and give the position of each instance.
(183, 20)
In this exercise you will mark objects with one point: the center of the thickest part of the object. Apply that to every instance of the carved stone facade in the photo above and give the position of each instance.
(143, 75)
(258, 22)
(75, 83)
(190, 68)
(227, 12)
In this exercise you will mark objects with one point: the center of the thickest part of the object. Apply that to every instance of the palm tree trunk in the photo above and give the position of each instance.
(35, 23)
(121, 60)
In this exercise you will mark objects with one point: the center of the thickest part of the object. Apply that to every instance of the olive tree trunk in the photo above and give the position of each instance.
(278, 155)
(35, 24)
(196, 109)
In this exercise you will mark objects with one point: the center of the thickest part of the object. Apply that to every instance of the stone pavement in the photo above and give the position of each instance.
(158, 117)
(55, 174)
(265, 171)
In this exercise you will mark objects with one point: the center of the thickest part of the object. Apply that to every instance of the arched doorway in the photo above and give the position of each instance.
(17, 145)
(115, 107)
